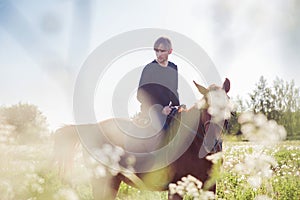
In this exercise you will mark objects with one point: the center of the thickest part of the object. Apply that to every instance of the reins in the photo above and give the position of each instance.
(218, 142)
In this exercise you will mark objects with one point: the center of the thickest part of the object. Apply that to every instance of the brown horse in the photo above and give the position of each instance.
(161, 158)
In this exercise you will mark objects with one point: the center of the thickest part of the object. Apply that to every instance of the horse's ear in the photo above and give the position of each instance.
(226, 85)
(201, 89)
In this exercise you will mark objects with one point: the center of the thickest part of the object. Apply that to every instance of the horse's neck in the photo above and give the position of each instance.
(196, 119)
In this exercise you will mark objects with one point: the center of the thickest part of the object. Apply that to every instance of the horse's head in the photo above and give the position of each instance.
(216, 109)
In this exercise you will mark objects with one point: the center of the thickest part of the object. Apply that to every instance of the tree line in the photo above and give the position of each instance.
(279, 101)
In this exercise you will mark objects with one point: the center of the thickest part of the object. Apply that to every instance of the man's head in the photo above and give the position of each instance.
(162, 48)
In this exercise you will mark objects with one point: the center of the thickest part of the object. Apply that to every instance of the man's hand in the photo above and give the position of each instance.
(166, 110)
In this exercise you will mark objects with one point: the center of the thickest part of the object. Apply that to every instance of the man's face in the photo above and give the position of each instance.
(162, 53)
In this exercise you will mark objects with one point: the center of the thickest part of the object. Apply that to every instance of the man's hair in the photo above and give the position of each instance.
(166, 42)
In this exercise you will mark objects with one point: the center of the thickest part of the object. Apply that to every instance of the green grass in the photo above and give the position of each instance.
(27, 172)
(283, 185)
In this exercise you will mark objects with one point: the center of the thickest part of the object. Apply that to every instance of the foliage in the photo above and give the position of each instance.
(261, 99)
(25, 122)
(279, 101)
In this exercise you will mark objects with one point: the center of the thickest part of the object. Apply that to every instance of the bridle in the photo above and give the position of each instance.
(204, 126)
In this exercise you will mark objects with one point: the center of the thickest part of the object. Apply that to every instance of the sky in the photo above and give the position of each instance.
(44, 46)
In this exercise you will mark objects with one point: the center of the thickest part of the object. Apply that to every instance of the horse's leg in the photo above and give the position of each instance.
(105, 188)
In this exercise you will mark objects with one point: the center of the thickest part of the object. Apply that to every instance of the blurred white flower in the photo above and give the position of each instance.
(32, 198)
(214, 158)
(246, 117)
(119, 151)
(107, 149)
(110, 156)
(115, 158)
(35, 187)
(248, 129)
(100, 171)
(66, 194)
(6, 190)
(191, 178)
(190, 186)
(207, 195)
(258, 129)
(220, 106)
(130, 160)
(257, 166)
(259, 120)
(255, 181)
(262, 197)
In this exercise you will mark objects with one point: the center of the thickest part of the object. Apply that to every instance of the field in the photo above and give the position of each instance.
(280, 180)
(250, 171)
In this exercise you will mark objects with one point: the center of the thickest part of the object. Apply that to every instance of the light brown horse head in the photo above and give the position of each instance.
(204, 91)
(214, 115)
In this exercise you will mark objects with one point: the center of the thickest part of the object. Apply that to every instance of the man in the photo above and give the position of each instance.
(158, 86)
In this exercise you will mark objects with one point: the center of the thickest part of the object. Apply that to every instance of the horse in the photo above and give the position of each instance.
(160, 159)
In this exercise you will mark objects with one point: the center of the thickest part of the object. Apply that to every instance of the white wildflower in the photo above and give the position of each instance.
(110, 156)
(260, 119)
(262, 197)
(115, 158)
(184, 179)
(258, 129)
(115, 169)
(130, 160)
(6, 190)
(191, 178)
(35, 187)
(220, 106)
(32, 198)
(248, 129)
(66, 194)
(281, 132)
(100, 171)
(172, 188)
(189, 186)
(107, 149)
(246, 117)
(214, 158)
(199, 184)
(207, 195)
(41, 180)
(255, 181)
(91, 161)
(119, 151)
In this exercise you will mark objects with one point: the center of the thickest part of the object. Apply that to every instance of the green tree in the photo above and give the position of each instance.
(287, 100)
(262, 99)
(280, 102)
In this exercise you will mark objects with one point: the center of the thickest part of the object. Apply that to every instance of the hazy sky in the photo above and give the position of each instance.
(43, 44)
